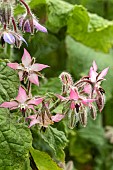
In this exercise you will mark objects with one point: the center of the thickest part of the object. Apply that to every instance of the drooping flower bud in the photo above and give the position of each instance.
(11, 37)
(93, 112)
(5, 12)
(71, 119)
(28, 22)
(83, 117)
(100, 100)
(66, 80)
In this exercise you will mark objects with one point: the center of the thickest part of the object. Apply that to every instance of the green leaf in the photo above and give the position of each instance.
(43, 161)
(9, 82)
(58, 12)
(15, 142)
(82, 58)
(33, 4)
(52, 85)
(90, 29)
(56, 140)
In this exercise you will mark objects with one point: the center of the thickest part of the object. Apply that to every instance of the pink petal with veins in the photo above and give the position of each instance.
(31, 117)
(92, 75)
(74, 94)
(35, 101)
(57, 117)
(95, 66)
(31, 107)
(38, 67)
(10, 104)
(33, 122)
(87, 101)
(26, 58)
(72, 106)
(38, 26)
(33, 78)
(22, 96)
(61, 97)
(87, 88)
(103, 73)
(20, 73)
(13, 65)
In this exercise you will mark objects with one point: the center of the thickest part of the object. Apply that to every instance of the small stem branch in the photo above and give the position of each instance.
(83, 81)
(55, 105)
(29, 89)
(14, 24)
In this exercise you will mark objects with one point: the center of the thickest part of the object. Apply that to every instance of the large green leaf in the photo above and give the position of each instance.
(15, 142)
(90, 29)
(58, 12)
(82, 58)
(9, 82)
(57, 141)
(43, 161)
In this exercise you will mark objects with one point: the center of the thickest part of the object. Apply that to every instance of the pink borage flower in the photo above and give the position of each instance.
(28, 69)
(95, 77)
(22, 101)
(75, 100)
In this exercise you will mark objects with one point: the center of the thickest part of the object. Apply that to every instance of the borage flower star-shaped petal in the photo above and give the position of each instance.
(95, 77)
(28, 69)
(22, 101)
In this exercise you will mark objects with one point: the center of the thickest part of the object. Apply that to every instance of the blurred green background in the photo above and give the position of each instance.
(79, 31)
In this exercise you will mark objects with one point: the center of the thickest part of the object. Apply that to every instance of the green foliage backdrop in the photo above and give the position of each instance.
(79, 31)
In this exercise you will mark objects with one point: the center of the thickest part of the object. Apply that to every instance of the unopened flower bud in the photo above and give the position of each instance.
(100, 100)
(71, 117)
(66, 78)
(93, 112)
(83, 117)
(5, 12)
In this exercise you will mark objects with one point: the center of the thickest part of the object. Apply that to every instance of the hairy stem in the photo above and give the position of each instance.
(26, 6)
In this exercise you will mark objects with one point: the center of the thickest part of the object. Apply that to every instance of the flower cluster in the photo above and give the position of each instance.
(9, 32)
(84, 96)
(79, 99)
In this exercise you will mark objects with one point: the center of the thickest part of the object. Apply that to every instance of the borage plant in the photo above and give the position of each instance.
(37, 114)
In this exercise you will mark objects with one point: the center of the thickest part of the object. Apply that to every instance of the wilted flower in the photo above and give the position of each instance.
(28, 69)
(22, 101)
(44, 120)
(11, 37)
(28, 22)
